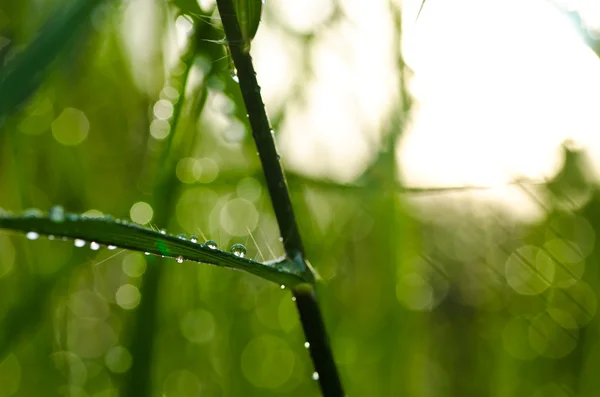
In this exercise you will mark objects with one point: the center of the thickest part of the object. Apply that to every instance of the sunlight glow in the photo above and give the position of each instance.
(499, 85)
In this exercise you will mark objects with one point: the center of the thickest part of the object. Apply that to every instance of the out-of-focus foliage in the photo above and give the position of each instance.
(423, 295)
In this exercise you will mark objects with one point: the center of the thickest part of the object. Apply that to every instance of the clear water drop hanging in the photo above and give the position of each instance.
(94, 246)
(56, 214)
(238, 250)
(32, 213)
(32, 235)
(211, 244)
(179, 259)
(79, 243)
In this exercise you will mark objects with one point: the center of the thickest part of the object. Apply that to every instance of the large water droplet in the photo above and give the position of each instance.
(180, 259)
(234, 76)
(32, 213)
(282, 286)
(111, 247)
(211, 244)
(56, 214)
(315, 375)
(193, 239)
(238, 250)
(94, 246)
(79, 243)
(32, 235)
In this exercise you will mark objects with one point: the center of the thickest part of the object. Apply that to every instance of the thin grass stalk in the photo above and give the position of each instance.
(139, 378)
(306, 301)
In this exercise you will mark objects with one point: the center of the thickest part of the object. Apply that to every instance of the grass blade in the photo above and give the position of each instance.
(25, 72)
(124, 234)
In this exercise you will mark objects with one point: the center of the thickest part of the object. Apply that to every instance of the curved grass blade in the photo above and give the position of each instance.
(25, 72)
(420, 9)
(124, 234)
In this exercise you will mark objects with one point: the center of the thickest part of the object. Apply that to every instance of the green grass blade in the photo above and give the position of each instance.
(26, 71)
(124, 234)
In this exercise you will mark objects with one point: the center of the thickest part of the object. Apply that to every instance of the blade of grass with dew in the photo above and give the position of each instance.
(123, 234)
(26, 71)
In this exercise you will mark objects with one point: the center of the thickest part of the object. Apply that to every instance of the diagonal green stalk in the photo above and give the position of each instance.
(24, 74)
(306, 301)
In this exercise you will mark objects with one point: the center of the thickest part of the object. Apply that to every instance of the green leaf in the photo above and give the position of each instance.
(25, 72)
(124, 234)
(248, 14)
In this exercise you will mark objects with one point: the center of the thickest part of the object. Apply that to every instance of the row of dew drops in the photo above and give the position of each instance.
(57, 214)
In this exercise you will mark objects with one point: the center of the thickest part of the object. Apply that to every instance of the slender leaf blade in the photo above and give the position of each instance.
(124, 234)
(25, 72)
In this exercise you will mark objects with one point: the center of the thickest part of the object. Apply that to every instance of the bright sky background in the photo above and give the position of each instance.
(499, 84)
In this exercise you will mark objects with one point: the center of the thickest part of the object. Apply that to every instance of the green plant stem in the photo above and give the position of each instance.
(262, 133)
(306, 302)
(146, 317)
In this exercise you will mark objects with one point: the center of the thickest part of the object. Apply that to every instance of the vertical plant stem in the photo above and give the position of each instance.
(139, 380)
(306, 302)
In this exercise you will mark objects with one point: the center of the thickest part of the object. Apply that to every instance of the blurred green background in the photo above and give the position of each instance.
(425, 292)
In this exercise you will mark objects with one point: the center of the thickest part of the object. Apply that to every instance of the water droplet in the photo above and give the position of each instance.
(146, 253)
(182, 236)
(293, 299)
(306, 345)
(238, 250)
(315, 375)
(281, 239)
(79, 243)
(51, 237)
(56, 214)
(234, 76)
(282, 286)
(94, 246)
(111, 247)
(32, 213)
(180, 259)
(211, 244)
(193, 239)
(32, 235)
(163, 231)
